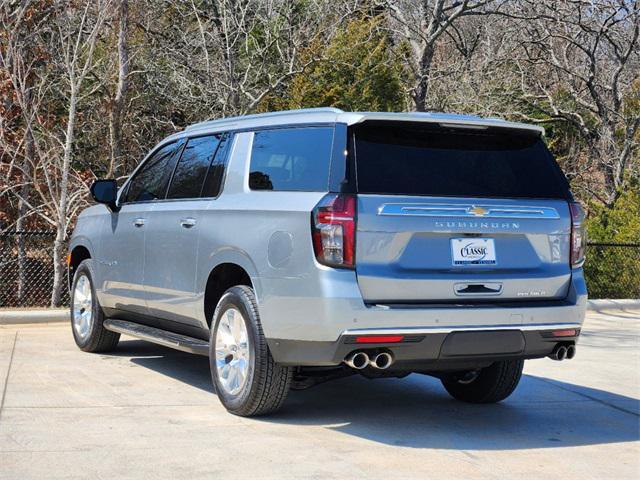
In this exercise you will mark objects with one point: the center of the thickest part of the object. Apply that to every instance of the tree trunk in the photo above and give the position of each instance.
(421, 91)
(115, 121)
(61, 224)
(29, 154)
(58, 267)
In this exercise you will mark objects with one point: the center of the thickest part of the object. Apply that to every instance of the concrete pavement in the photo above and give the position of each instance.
(149, 412)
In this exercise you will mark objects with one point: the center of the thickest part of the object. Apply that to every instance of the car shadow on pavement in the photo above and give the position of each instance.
(185, 367)
(417, 412)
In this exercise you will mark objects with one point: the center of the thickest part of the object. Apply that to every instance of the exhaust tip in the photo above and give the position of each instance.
(559, 353)
(382, 361)
(358, 360)
(571, 352)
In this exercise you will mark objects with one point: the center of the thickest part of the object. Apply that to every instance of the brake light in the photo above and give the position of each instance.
(333, 229)
(578, 235)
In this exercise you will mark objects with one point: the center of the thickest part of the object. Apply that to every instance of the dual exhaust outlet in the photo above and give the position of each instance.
(562, 352)
(360, 360)
(383, 360)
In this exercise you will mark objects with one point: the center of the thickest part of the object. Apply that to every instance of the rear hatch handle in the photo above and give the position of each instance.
(493, 288)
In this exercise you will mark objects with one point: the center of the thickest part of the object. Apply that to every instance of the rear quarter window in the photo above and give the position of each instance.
(291, 159)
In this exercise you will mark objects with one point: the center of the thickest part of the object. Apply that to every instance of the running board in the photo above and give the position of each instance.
(156, 335)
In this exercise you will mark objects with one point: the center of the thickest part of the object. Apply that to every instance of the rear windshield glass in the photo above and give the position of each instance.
(410, 159)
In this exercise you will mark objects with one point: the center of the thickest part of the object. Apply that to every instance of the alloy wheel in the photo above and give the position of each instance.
(82, 307)
(233, 352)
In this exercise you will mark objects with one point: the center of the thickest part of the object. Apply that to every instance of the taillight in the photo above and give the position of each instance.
(333, 228)
(578, 234)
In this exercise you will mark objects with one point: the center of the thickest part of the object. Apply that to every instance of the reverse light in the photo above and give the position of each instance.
(578, 235)
(333, 229)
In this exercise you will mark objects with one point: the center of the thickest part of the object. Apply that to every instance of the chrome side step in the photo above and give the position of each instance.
(156, 335)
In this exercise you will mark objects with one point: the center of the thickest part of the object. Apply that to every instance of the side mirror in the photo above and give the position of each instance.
(106, 191)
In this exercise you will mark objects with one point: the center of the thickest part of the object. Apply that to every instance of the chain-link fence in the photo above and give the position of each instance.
(26, 270)
(612, 270)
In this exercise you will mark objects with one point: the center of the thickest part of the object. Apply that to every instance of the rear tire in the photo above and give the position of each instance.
(247, 380)
(86, 313)
(492, 384)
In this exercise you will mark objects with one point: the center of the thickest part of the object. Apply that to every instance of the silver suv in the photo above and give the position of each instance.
(297, 247)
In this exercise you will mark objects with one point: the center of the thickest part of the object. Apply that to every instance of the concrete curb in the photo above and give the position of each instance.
(18, 316)
(617, 304)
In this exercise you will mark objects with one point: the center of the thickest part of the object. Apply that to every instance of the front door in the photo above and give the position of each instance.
(122, 257)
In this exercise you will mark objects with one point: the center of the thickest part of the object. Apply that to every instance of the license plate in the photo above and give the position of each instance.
(473, 251)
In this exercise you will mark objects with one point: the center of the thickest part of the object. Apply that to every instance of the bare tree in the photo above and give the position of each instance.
(580, 62)
(19, 60)
(118, 102)
(76, 34)
(423, 24)
(227, 56)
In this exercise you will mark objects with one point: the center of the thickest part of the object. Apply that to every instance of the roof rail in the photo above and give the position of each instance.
(302, 111)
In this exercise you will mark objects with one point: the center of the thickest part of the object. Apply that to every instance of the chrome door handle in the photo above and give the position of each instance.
(188, 222)
(139, 222)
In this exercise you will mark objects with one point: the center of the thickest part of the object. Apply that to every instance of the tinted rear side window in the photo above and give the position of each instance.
(193, 166)
(295, 159)
(410, 159)
(150, 182)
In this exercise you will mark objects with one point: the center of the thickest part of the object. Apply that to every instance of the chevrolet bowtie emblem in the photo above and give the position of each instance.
(478, 211)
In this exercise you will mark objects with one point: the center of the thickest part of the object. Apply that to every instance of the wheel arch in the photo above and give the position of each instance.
(77, 254)
(222, 277)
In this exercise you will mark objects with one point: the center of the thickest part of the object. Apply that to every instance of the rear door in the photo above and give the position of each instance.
(458, 215)
(174, 226)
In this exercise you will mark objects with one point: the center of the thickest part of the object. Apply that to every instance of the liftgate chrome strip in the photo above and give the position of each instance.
(463, 328)
(467, 211)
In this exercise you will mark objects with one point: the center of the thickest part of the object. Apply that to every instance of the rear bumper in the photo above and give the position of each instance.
(305, 318)
(431, 349)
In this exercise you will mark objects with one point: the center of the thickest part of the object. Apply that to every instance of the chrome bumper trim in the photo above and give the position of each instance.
(463, 328)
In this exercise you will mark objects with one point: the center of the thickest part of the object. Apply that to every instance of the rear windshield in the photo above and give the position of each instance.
(419, 159)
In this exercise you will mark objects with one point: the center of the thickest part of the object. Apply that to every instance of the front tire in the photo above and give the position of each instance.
(246, 378)
(490, 385)
(86, 313)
